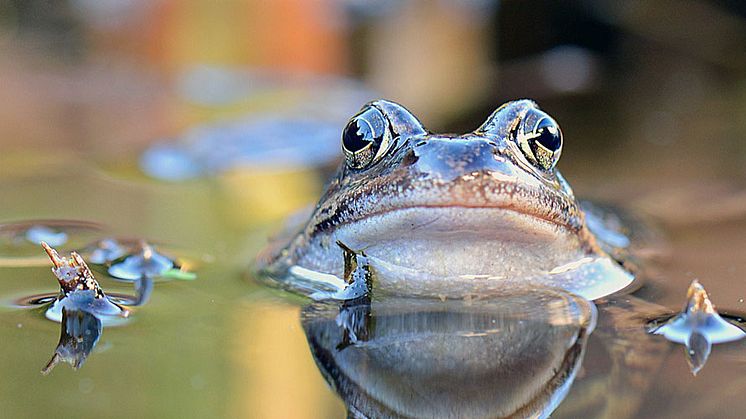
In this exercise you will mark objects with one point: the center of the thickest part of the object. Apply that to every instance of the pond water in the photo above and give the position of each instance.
(196, 127)
(221, 345)
(213, 346)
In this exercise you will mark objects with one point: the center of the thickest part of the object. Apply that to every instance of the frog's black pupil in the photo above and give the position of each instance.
(357, 135)
(549, 135)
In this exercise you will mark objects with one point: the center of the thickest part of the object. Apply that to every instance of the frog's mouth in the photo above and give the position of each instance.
(471, 200)
(483, 224)
(455, 251)
(450, 240)
(432, 221)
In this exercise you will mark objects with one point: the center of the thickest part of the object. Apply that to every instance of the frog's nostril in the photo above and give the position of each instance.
(409, 159)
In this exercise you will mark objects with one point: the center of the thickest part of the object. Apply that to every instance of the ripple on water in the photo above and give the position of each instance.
(50, 304)
(19, 241)
(124, 259)
(78, 291)
(80, 307)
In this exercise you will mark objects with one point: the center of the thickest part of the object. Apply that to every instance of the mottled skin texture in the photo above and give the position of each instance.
(482, 169)
(436, 207)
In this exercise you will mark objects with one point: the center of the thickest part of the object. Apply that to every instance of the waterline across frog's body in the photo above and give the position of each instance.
(444, 215)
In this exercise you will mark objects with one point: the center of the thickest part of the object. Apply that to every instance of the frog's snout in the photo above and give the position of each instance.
(453, 157)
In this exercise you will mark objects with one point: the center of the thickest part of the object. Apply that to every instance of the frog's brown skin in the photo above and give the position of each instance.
(471, 215)
(451, 215)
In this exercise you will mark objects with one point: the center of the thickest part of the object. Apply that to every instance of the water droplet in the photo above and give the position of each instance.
(85, 385)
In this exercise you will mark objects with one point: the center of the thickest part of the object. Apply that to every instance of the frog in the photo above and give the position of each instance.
(452, 215)
(429, 227)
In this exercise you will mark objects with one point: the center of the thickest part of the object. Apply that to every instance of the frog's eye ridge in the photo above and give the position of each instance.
(539, 138)
(365, 138)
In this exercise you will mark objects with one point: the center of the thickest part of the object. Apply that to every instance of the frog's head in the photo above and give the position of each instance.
(402, 186)
(393, 163)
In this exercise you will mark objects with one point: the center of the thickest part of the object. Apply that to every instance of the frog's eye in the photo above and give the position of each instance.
(539, 138)
(365, 138)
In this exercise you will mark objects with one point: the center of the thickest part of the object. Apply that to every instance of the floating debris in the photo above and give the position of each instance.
(698, 326)
(147, 264)
(82, 308)
(79, 290)
(73, 274)
(132, 260)
(106, 251)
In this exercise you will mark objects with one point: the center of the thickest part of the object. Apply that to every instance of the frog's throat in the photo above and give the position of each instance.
(452, 241)
(482, 223)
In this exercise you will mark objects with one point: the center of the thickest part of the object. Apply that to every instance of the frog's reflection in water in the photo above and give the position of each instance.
(512, 354)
